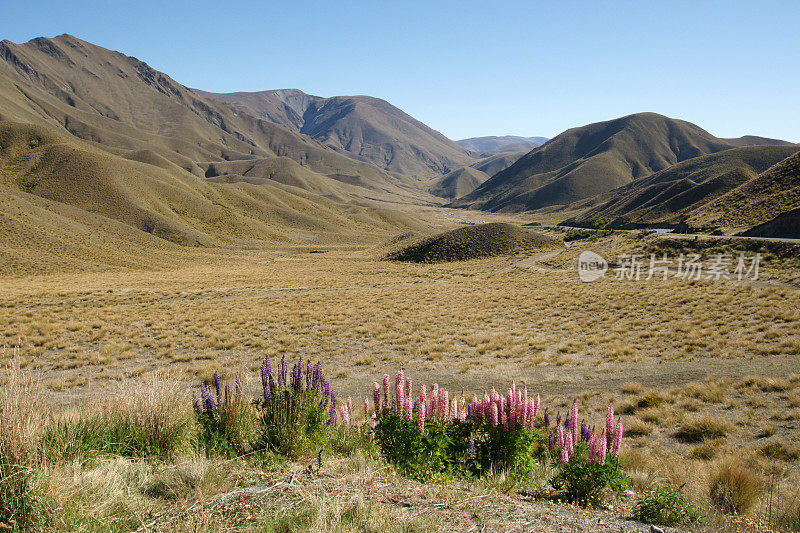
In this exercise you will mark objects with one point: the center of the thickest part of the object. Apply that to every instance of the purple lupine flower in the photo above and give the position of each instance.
(196, 403)
(218, 386)
(617, 438)
(282, 369)
(208, 401)
(309, 372)
(567, 422)
(546, 417)
(227, 393)
(471, 446)
(550, 442)
(558, 419)
(332, 417)
(237, 388)
(584, 431)
(265, 376)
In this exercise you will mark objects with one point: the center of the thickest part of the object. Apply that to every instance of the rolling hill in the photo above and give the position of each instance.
(668, 197)
(505, 143)
(362, 127)
(590, 160)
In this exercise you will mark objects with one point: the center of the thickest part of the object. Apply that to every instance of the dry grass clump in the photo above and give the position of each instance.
(711, 391)
(781, 451)
(635, 427)
(734, 487)
(697, 428)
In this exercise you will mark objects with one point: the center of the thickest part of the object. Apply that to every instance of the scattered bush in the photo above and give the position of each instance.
(702, 427)
(665, 506)
(225, 418)
(734, 487)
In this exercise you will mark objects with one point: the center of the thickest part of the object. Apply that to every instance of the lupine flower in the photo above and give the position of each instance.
(265, 378)
(444, 404)
(560, 436)
(332, 419)
(462, 409)
(536, 403)
(609, 421)
(409, 408)
(601, 452)
(376, 397)
(218, 386)
(386, 390)
(349, 405)
(434, 400)
(309, 372)
(421, 417)
(399, 386)
(409, 392)
(573, 427)
(282, 368)
(584, 431)
(493, 415)
(569, 442)
(423, 397)
(564, 454)
(550, 442)
(343, 413)
(617, 439)
(546, 417)
(366, 408)
(471, 447)
(196, 403)
(558, 419)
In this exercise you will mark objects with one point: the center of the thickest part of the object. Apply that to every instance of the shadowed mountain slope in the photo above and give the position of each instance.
(365, 128)
(668, 197)
(590, 160)
(457, 183)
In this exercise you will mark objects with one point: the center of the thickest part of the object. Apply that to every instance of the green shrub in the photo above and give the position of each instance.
(666, 506)
(703, 427)
(226, 425)
(587, 482)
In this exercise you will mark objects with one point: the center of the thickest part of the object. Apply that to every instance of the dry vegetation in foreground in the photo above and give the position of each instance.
(703, 372)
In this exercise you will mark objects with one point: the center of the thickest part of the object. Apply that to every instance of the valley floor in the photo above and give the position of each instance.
(665, 352)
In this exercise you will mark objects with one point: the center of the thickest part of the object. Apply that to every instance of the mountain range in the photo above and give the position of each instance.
(102, 156)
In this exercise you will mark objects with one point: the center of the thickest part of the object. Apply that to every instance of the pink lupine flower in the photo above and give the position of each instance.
(609, 421)
(485, 401)
(453, 409)
(386, 390)
(349, 405)
(462, 409)
(474, 403)
(493, 414)
(421, 417)
(344, 415)
(444, 404)
(503, 417)
(409, 408)
(376, 397)
(573, 420)
(560, 435)
(601, 452)
(569, 444)
(529, 416)
(493, 395)
(434, 400)
(564, 455)
(617, 439)
(399, 385)
(536, 404)
(366, 407)
(423, 395)
(408, 386)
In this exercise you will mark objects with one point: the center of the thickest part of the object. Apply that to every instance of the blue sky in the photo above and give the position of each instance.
(471, 68)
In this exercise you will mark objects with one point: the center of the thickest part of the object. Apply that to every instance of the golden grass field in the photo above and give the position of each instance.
(673, 355)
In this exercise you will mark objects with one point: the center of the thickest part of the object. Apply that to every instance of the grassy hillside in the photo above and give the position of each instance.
(63, 197)
(590, 160)
(457, 183)
(756, 201)
(494, 163)
(473, 242)
(362, 127)
(668, 197)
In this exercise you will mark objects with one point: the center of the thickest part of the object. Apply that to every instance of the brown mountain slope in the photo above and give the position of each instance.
(136, 112)
(590, 160)
(757, 201)
(666, 198)
(494, 163)
(362, 127)
(457, 183)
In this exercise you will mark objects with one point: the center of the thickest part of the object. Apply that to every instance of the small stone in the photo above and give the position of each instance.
(654, 529)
